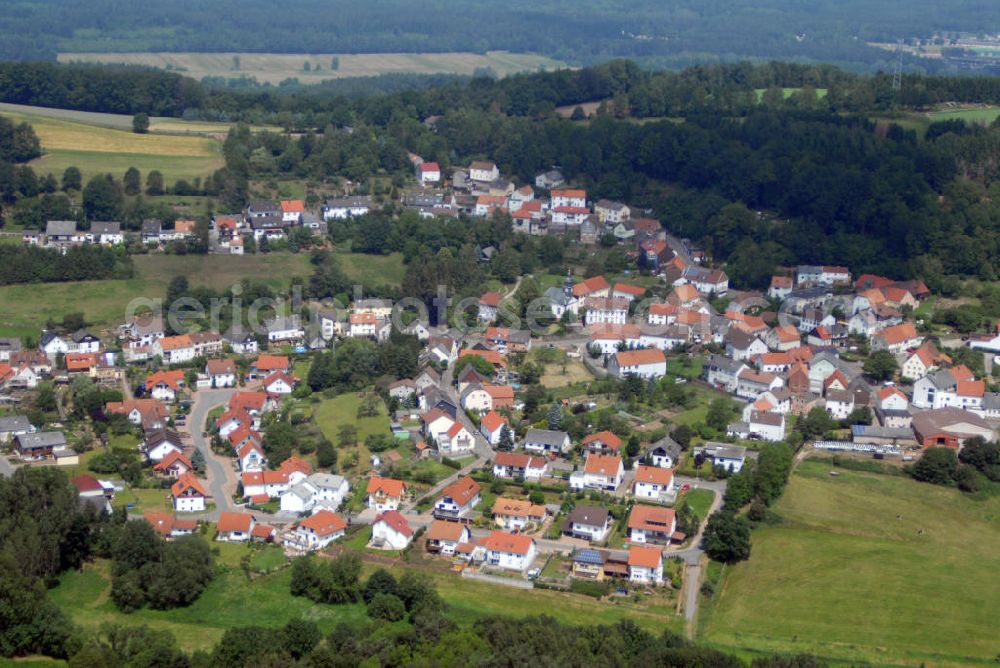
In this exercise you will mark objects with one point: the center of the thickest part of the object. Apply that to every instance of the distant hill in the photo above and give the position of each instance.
(671, 33)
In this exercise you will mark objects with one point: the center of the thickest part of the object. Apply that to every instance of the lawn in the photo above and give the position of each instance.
(331, 414)
(97, 149)
(842, 577)
(143, 499)
(276, 67)
(230, 600)
(372, 270)
(556, 375)
(700, 501)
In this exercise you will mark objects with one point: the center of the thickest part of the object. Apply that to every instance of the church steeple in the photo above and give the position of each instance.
(568, 285)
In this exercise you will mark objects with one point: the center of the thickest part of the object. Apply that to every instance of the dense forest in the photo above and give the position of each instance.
(676, 33)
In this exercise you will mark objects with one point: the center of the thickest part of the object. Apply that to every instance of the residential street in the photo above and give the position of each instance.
(221, 476)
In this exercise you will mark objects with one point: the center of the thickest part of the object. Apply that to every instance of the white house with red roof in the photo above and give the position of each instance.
(385, 493)
(519, 466)
(645, 564)
(603, 443)
(628, 292)
(250, 454)
(488, 305)
(897, 338)
(603, 472)
(221, 372)
(164, 385)
(654, 483)
(188, 494)
(443, 537)
(492, 426)
(645, 363)
(513, 552)
(173, 465)
(315, 532)
(391, 531)
(569, 197)
(292, 211)
(279, 382)
(234, 527)
(428, 173)
(457, 499)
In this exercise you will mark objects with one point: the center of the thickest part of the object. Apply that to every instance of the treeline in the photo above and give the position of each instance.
(678, 34)
(730, 89)
(759, 483)
(27, 264)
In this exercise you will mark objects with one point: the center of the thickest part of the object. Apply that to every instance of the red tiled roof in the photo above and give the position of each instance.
(271, 363)
(645, 556)
(396, 521)
(603, 464)
(229, 522)
(591, 285)
(462, 490)
(501, 541)
(324, 523)
(609, 439)
(491, 298)
(388, 486)
(185, 482)
(644, 356)
(654, 475)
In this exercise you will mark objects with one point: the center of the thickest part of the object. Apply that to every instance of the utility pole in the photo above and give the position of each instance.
(897, 70)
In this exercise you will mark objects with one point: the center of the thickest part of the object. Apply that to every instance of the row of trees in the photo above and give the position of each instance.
(759, 483)
(28, 264)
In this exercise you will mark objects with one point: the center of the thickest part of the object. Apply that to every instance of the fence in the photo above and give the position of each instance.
(868, 448)
(497, 579)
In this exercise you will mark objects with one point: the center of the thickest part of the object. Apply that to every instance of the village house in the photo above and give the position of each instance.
(645, 564)
(587, 522)
(644, 363)
(173, 465)
(603, 443)
(517, 514)
(488, 305)
(165, 385)
(158, 443)
(518, 466)
(949, 427)
(391, 531)
(457, 500)
(604, 472)
(15, 425)
(729, 457)
(547, 441)
(315, 532)
(443, 537)
(509, 551)
(167, 525)
(922, 361)
(346, 207)
(897, 338)
(385, 493)
(234, 527)
(605, 310)
(654, 483)
(188, 494)
(651, 524)
(822, 275)
(221, 372)
(318, 490)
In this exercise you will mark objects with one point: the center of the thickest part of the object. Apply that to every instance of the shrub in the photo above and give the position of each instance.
(388, 607)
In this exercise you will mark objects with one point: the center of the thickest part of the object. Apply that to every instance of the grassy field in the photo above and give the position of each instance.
(98, 149)
(24, 309)
(275, 67)
(372, 270)
(332, 413)
(700, 501)
(233, 600)
(842, 577)
(788, 92)
(985, 115)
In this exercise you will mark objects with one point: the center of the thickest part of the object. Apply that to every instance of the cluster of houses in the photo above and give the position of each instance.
(63, 234)
(787, 364)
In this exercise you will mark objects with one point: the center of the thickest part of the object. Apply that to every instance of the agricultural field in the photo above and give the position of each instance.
(276, 67)
(984, 115)
(373, 270)
(95, 148)
(929, 552)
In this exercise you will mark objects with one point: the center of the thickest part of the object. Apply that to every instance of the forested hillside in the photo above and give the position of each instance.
(673, 33)
(757, 178)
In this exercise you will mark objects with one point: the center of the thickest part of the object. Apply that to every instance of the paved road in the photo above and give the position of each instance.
(6, 469)
(220, 473)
